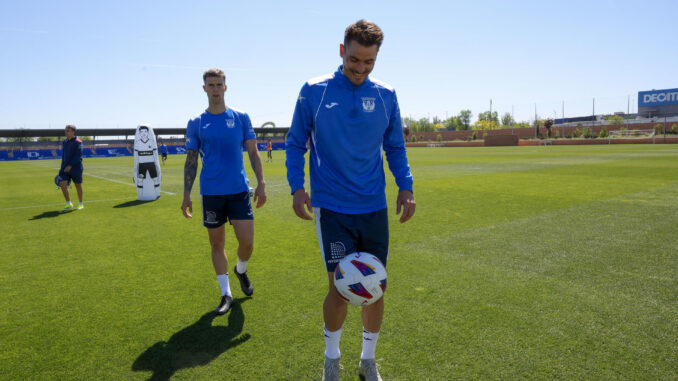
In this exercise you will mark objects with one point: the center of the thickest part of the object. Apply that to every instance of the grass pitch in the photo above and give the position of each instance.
(520, 263)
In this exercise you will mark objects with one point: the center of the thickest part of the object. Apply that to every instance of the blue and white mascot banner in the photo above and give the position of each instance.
(146, 166)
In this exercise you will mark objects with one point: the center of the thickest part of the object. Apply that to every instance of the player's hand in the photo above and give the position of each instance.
(406, 201)
(260, 195)
(67, 169)
(300, 199)
(187, 204)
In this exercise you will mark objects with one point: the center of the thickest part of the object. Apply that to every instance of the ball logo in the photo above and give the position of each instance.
(230, 123)
(360, 290)
(363, 267)
(368, 104)
(338, 273)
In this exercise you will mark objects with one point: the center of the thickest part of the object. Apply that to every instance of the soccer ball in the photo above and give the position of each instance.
(360, 278)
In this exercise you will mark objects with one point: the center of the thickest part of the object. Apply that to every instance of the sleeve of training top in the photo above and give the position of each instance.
(394, 146)
(76, 157)
(192, 137)
(247, 129)
(297, 137)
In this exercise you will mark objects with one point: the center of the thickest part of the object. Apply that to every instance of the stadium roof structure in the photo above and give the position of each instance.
(51, 132)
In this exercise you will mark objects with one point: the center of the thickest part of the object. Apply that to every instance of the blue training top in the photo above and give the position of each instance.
(348, 126)
(220, 140)
(71, 154)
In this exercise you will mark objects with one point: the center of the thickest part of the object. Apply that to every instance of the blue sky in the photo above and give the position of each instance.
(121, 63)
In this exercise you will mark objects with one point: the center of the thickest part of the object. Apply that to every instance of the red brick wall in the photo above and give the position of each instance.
(523, 133)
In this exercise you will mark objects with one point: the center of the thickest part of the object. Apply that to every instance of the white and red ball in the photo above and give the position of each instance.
(360, 278)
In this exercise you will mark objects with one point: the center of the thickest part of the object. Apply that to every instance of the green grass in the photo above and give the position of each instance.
(520, 263)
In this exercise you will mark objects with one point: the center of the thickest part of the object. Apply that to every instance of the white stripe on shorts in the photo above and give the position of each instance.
(318, 231)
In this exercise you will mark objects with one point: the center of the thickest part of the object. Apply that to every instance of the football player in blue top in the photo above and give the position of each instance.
(71, 167)
(218, 136)
(347, 119)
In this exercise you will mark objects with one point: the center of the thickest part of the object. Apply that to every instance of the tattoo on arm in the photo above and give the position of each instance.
(190, 169)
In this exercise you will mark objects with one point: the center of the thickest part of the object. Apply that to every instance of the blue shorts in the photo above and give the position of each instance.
(341, 234)
(74, 174)
(216, 210)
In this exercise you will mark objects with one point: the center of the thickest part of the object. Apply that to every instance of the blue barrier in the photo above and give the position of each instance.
(43, 154)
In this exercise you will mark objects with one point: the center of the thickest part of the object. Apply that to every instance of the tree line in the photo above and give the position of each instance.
(486, 120)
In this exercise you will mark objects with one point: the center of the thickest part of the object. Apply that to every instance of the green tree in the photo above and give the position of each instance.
(614, 120)
(465, 119)
(425, 125)
(548, 123)
(494, 117)
(507, 120)
(453, 123)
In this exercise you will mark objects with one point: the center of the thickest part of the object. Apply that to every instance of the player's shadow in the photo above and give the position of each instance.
(195, 345)
(50, 214)
(132, 203)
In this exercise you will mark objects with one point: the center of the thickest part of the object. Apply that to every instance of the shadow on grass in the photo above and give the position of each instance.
(50, 214)
(195, 345)
(132, 203)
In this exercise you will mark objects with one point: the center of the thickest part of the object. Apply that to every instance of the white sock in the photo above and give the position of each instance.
(332, 343)
(223, 284)
(241, 266)
(369, 344)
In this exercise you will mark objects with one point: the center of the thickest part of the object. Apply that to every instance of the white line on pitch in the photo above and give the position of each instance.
(121, 182)
(102, 178)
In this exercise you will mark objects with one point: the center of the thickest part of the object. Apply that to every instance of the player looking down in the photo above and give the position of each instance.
(349, 118)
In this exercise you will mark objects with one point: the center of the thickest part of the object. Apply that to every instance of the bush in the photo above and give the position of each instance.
(603, 133)
(658, 129)
(556, 134)
(439, 137)
(570, 135)
(540, 135)
(576, 133)
(475, 135)
(414, 139)
(674, 128)
(587, 133)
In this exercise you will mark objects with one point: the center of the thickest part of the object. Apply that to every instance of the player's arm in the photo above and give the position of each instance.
(255, 161)
(190, 172)
(394, 147)
(295, 148)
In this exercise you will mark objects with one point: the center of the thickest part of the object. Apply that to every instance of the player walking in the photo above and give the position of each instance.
(218, 135)
(349, 118)
(71, 167)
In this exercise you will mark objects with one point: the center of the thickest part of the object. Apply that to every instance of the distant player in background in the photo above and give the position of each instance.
(348, 118)
(71, 167)
(269, 148)
(163, 152)
(218, 136)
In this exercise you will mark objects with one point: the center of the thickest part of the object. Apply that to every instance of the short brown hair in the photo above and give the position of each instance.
(70, 127)
(364, 32)
(213, 73)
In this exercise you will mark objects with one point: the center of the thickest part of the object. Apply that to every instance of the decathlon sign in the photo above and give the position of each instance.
(657, 97)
